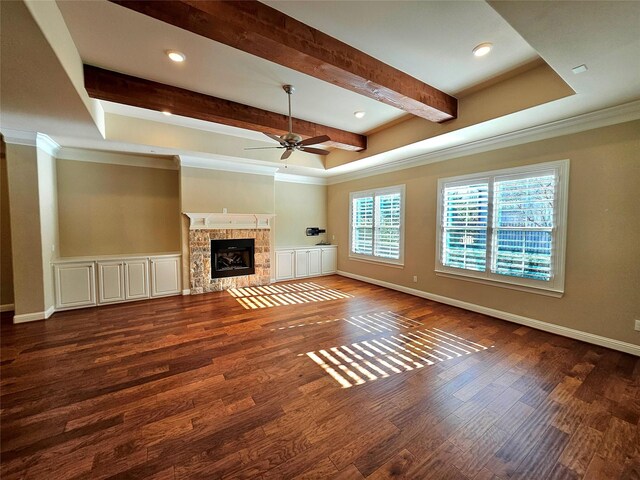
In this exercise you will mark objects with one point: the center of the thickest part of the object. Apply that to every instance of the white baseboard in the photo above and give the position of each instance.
(32, 317)
(186, 291)
(510, 317)
(7, 307)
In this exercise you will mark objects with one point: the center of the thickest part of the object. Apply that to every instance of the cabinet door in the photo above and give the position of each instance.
(314, 261)
(136, 279)
(165, 276)
(302, 263)
(110, 282)
(329, 260)
(74, 285)
(284, 264)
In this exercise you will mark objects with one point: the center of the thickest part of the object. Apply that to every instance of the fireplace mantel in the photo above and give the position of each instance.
(229, 221)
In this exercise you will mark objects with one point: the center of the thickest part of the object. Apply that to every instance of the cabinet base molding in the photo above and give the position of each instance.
(186, 291)
(34, 317)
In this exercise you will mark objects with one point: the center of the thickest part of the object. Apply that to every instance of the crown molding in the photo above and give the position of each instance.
(31, 139)
(19, 137)
(291, 178)
(114, 158)
(226, 165)
(601, 118)
(46, 144)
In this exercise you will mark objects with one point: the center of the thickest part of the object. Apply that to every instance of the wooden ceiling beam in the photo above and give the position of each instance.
(120, 88)
(263, 31)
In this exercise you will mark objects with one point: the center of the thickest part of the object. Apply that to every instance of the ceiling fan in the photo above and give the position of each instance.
(291, 141)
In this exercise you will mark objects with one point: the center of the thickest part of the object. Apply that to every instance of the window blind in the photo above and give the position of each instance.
(464, 226)
(523, 226)
(387, 226)
(376, 223)
(362, 226)
(506, 226)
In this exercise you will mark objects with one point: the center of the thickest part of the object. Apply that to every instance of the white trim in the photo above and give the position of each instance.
(47, 145)
(226, 165)
(374, 193)
(33, 317)
(287, 177)
(227, 221)
(555, 286)
(19, 137)
(7, 307)
(114, 158)
(601, 118)
(186, 291)
(510, 317)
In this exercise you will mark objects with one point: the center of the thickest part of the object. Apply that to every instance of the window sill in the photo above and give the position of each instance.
(496, 283)
(377, 261)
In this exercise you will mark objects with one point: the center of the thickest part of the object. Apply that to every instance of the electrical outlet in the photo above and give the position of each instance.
(333, 237)
(53, 248)
(638, 325)
(415, 279)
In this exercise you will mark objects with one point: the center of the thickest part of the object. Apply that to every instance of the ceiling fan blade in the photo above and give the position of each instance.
(317, 151)
(260, 148)
(314, 140)
(286, 154)
(273, 137)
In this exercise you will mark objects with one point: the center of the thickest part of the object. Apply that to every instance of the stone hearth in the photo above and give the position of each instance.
(200, 259)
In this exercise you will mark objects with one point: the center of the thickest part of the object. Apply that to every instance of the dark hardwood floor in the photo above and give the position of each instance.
(299, 382)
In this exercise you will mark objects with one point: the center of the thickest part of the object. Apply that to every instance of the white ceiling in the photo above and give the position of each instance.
(417, 38)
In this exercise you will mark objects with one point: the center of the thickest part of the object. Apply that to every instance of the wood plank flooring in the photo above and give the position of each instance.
(376, 384)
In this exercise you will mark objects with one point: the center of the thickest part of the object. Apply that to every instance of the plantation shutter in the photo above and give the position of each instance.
(524, 220)
(464, 225)
(387, 225)
(362, 225)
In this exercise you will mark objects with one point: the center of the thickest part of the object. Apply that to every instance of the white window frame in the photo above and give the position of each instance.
(374, 193)
(553, 287)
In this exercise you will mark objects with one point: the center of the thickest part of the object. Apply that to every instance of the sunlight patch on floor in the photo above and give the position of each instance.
(368, 360)
(268, 296)
(370, 322)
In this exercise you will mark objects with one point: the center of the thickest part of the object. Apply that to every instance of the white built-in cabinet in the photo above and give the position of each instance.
(75, 285)
(86, 283)
(301, 262)
(165, 276)
(136, 279)
(110, 282)
(285, 264)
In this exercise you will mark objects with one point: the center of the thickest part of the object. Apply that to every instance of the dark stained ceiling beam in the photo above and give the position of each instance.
(263, 31)
(120, 88)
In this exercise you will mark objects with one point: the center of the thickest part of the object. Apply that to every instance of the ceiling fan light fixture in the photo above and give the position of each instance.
(176, 56)
(359, 114)
(482, 49)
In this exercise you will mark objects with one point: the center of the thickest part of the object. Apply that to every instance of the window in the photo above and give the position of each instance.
(377, 218)
(505, 226)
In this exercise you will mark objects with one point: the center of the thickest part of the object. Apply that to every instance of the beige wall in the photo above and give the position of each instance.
(107, 209)
(299, 206)
(603, 252)
(24, 207)
(210, 191)
(6, 268)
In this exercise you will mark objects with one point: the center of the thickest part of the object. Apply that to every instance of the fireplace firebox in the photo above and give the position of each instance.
(232, 258)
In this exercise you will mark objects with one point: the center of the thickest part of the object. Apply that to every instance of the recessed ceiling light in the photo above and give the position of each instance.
(482, 49)
(176, 56)
(167, 113)
(359, 114)
(579, 69)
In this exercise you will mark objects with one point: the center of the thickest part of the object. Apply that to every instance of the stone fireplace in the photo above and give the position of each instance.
(210, 238)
